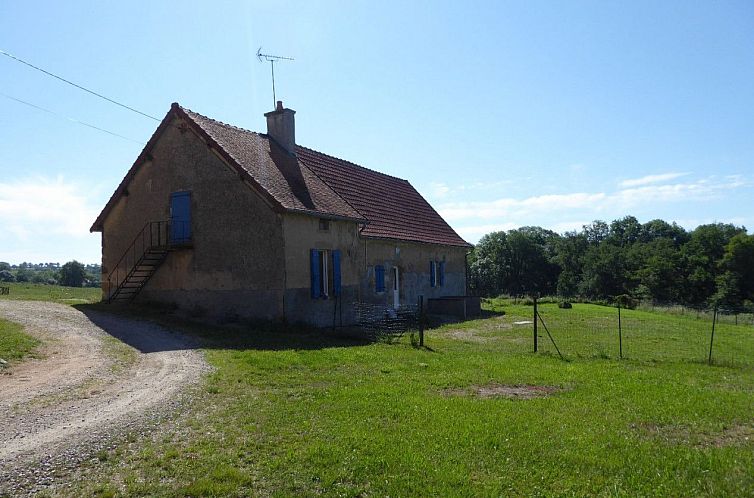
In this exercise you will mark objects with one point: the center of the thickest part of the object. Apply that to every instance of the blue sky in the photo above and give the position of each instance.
(502, 114)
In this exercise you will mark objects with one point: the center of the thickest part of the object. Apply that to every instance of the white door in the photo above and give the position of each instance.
(396, 286)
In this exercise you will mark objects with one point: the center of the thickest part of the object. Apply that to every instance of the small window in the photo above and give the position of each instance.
(324, 225)
(379, 278)
(441, 273)
(432, 274)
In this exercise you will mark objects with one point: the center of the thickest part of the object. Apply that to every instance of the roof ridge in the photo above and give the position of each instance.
(350, 163)
(222, 123)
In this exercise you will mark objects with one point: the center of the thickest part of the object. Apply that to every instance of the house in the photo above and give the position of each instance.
(232, 222)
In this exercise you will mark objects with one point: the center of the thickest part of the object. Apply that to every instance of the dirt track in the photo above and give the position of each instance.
(86, 387)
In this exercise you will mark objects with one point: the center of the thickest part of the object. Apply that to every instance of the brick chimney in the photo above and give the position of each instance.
(281, 126)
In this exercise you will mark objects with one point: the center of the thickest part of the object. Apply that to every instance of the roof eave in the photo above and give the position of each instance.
(415, 241)
(325, 215)
(98, 224)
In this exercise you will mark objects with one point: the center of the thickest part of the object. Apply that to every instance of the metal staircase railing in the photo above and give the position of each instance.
(139, 262)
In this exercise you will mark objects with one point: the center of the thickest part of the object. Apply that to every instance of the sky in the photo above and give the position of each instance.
(502, 114)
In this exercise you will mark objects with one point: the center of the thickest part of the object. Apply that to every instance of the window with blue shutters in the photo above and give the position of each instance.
(441, 273)
(379, 278)
(325, 273)
(432, 274)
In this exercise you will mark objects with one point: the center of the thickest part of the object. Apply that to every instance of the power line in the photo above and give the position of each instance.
(69, 118)
(3, 52)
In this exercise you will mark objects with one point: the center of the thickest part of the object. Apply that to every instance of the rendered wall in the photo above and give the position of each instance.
(301, 234)
(412, 260)
(235, 265)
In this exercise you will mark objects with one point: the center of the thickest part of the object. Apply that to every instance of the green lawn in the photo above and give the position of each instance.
(14, 343)
(293, 415)
(57, 293)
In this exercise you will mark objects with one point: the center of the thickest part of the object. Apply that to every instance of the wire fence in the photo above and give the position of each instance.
(714, 336)
(378, 321)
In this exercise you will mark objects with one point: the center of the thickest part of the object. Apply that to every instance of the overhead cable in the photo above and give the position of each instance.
(69, 118)
(77, 86)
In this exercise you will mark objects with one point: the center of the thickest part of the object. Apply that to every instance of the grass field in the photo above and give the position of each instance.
(305, 415)
(14, 343)
(56, 293)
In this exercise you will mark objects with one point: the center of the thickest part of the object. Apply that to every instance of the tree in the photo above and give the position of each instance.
(657, 268)
(738, 265)
(489, 264)
(625, 231)
(72, 274)
(4, 266)
(703, 255)
(23, 275)
(604, 272)
(569, 255)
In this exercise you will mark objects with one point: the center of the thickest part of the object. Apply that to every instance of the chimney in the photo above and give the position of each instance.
(281, 126)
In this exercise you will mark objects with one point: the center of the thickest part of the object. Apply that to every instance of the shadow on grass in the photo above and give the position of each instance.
(168, 331)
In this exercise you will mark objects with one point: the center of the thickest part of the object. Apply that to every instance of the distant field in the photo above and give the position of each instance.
(14, 343)
(477, 414)
(57, 293)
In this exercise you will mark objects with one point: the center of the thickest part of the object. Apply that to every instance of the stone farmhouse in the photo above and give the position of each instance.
(238, 223)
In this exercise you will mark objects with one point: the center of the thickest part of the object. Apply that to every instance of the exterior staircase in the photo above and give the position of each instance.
(139, 262)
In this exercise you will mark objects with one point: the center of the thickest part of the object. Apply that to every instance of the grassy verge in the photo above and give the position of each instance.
(14, 343)
(306, 414)
(55, 293)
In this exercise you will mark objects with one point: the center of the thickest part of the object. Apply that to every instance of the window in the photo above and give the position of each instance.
(379, 278)
(325, 273)
(324, 225)
(437, 273)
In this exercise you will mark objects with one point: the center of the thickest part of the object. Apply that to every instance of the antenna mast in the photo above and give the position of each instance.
(272, 59)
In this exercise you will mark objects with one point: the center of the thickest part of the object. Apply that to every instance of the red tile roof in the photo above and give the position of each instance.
(394, 208)
(314, 183)
(280, 174)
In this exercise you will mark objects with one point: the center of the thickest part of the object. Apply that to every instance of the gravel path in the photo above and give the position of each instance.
(98, 376)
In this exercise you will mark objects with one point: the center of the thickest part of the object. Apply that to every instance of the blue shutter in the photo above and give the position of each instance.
(180, 217)
(441, 273)
(379, 278)
(336, 272)
(314, 258)
(432, 282)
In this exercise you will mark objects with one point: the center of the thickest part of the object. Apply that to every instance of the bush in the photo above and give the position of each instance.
(565, 305)
(625, 301)
(6, 276)
(72, 274)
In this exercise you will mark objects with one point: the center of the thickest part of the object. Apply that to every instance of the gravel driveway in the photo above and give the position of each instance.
(98, 376)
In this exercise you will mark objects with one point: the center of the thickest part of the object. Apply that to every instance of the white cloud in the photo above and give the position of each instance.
(439, 190)
(42, 215)
(517, 207)
(650, 179)
(559, 212)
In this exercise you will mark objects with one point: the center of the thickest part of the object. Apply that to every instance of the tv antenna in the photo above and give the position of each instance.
(272, 59)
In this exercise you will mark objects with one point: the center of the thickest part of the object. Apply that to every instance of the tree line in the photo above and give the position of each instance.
(656, 261)
(71, 274)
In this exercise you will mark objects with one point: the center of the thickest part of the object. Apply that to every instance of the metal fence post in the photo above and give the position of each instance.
(421, 321)
(620, 334)
(712, 336)
(536, 315)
